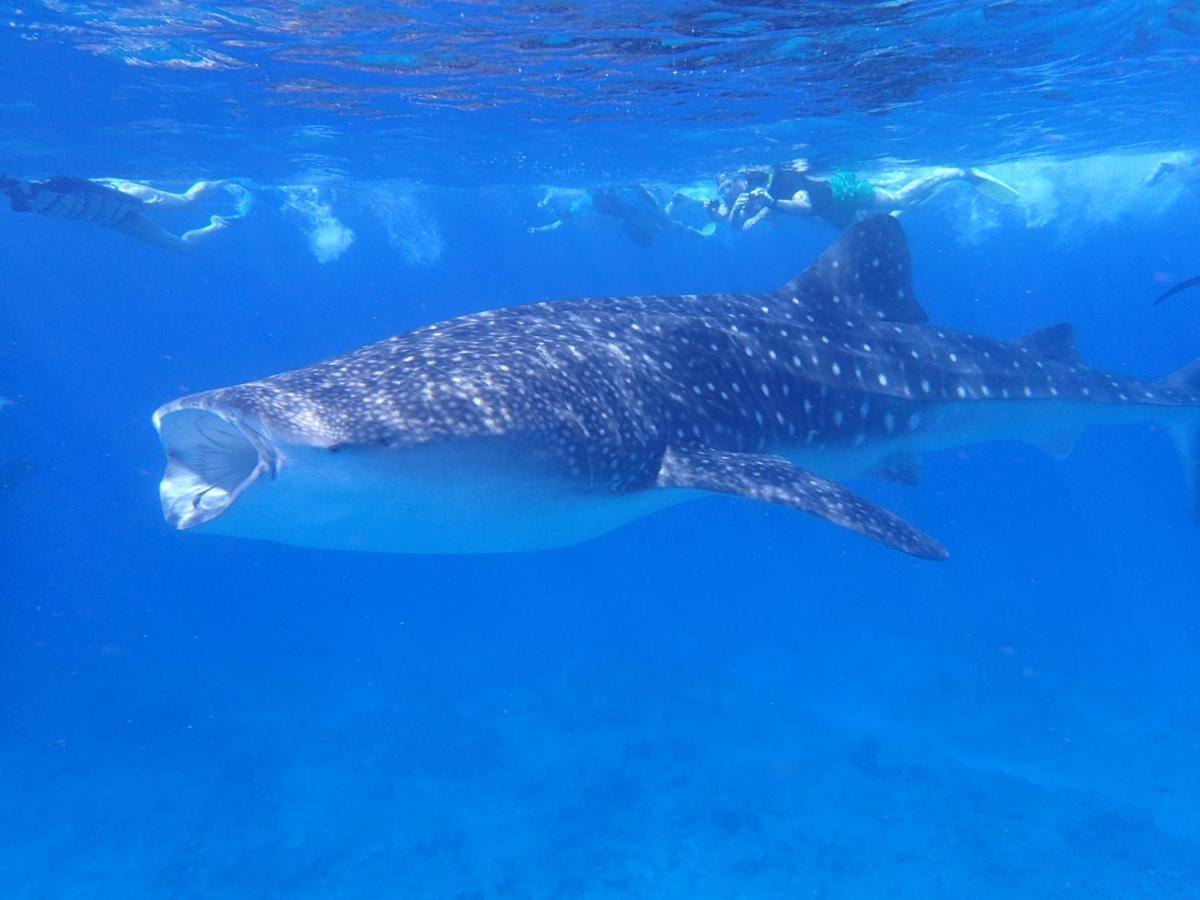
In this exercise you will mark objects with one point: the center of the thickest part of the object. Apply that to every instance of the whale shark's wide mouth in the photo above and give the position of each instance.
(211, 460)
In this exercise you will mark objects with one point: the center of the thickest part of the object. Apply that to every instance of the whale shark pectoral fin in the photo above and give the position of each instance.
(775, 480)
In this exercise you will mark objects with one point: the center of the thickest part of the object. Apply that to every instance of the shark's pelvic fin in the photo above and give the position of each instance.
(901, 468)
(1061, 444)
(775, 480)
(1056, 342)
(1186, 432)
(866, 272)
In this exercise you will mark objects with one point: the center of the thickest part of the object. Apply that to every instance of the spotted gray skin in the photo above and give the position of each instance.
(542, 425)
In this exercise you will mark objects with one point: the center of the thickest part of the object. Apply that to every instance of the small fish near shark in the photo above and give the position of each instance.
(541, 426)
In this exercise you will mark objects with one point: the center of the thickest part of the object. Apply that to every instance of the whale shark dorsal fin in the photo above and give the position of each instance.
(775, 480)
(866, 272)
(1056, 342)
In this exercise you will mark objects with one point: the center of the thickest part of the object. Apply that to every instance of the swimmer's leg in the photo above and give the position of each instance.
(215, 224)
(143, 229)
(1164, 168)
(153, 196)
(138, 226)
(541, 229)
(200, 188)
(143, 192)
(707, 231)
(168, 200)
(918, 190)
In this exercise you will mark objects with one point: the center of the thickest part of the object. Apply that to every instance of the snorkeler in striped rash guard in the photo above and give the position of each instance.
(843, 198)
(120, 204)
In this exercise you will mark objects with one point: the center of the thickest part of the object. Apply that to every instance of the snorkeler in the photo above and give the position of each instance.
(638, 210)
(733, 193)
(845, 197)
(117, 203)
(563, 204)
(1183, 165)
(690, 211)
(641, 214)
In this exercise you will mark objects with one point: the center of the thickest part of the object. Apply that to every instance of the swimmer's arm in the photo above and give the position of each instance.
(744, 200)
(797, 205)
(717, 210)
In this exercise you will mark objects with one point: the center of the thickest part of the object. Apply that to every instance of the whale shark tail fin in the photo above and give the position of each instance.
(1185, 429)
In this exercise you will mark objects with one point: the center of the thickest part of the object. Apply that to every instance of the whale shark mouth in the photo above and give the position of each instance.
(212, 459)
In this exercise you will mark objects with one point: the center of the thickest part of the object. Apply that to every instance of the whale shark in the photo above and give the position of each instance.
(543, 425)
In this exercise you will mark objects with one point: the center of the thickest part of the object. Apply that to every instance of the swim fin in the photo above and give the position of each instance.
(993, 188)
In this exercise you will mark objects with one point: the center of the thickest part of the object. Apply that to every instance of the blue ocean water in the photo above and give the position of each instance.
(721, 700)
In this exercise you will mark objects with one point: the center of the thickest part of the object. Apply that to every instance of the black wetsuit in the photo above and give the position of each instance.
(837, 201)
(637, 208)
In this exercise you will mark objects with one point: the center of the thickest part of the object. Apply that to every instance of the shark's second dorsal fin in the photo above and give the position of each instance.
(866, 272)
(1056, 342)
(1186, 379)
